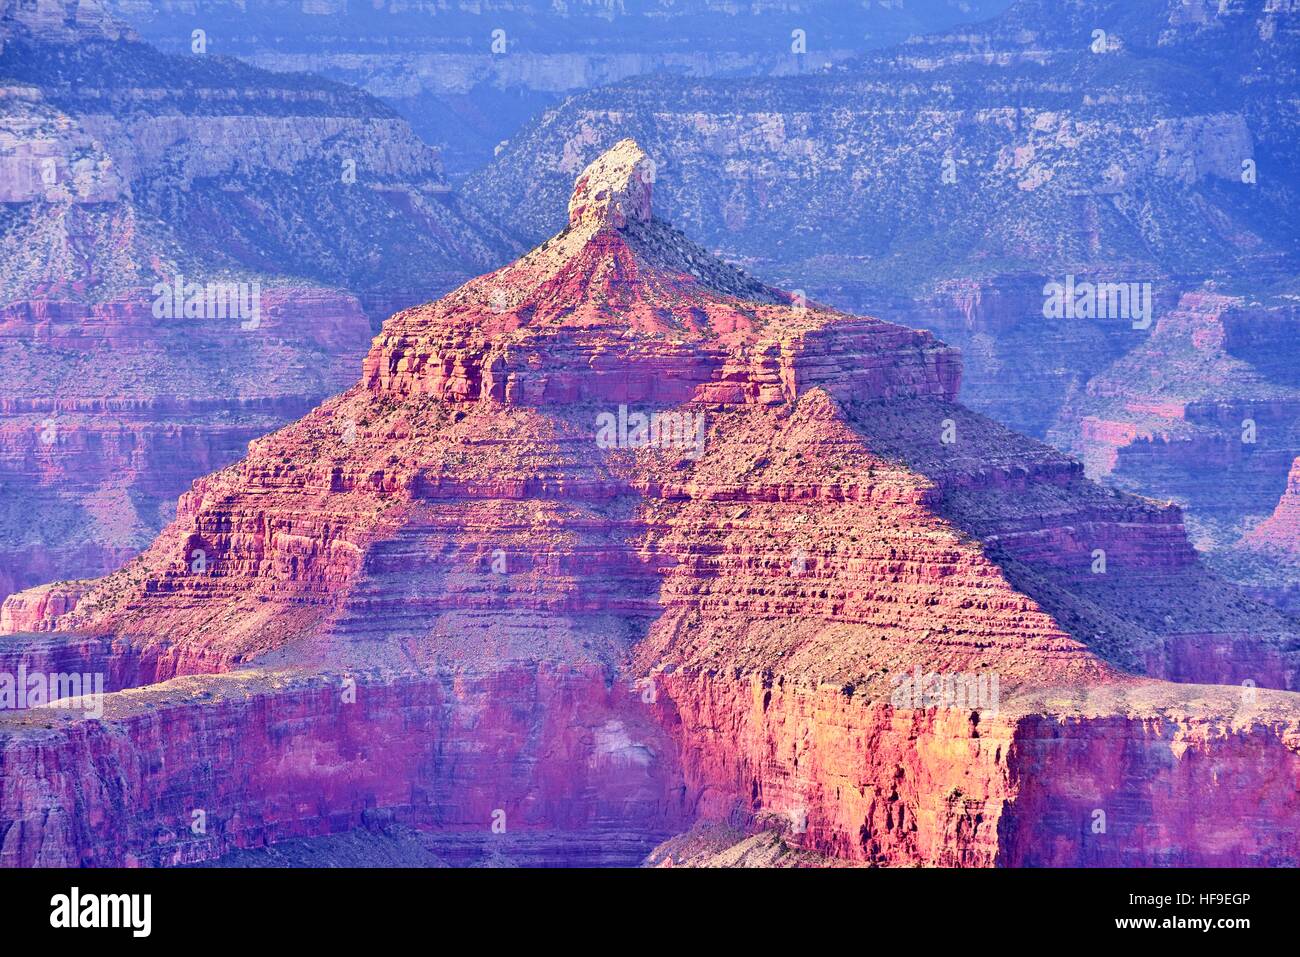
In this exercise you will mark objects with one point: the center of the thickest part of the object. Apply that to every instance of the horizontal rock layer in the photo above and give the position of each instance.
(863, 360)
(574, 769)
(611, 638)
(557, 758)
(110, 413)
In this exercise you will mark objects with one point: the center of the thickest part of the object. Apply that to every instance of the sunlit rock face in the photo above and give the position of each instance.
(135, 183)
(948, 182)
(616, 541)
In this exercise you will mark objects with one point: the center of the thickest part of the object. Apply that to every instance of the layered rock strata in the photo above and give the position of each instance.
(179, 242)
(812, 587)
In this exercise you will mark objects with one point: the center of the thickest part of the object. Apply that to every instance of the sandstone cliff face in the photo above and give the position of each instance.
(129, 173)
(40, 608)
(1164, 785)
(564, 768)
(877, 785)
(844, 780)
(1109, 166)
(468, 74)
(617, 632)
(853, 782)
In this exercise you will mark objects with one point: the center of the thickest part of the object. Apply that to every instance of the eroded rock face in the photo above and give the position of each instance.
(626, 309)
(127, 174)
(614, 190)
(1122, 791)
(626, 628)
(109, 413)
(1066, 787)
(911, 185)
(557, 760)
(39, 609)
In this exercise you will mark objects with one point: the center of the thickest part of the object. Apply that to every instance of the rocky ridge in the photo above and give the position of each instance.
(947, 182)
(126, 174)
(467, 75)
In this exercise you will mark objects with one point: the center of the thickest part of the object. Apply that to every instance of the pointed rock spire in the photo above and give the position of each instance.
(614, 189)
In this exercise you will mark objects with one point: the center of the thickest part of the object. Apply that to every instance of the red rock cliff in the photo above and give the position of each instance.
(750, 597)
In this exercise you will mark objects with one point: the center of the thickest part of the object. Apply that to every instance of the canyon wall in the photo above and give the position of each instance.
(575, 769)
(129, 173)
(1152, 791)
(610, 640)
(966, 788)
(564, 768)
(467, 75)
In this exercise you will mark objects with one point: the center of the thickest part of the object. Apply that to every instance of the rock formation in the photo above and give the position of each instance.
(1206, 411)
(616, 541)
(468, 73)
(1206, 414)
(1266, 560)
(1281, 530)
(947, 182)
(127, 174)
